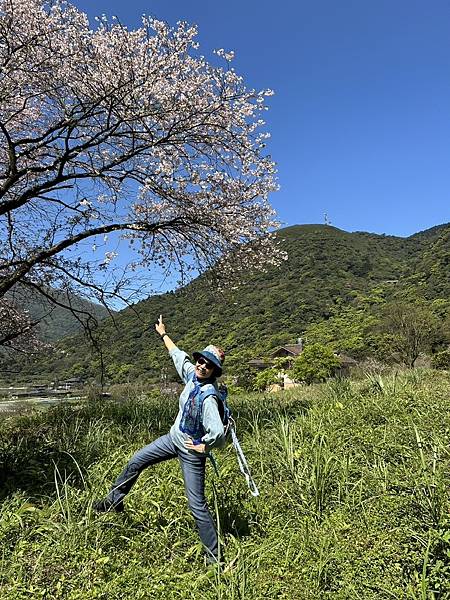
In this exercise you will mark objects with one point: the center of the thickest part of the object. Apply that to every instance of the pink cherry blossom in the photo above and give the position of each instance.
(107, 130)
(16, 329)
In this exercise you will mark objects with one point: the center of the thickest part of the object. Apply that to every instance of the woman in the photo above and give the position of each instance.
(197, 429)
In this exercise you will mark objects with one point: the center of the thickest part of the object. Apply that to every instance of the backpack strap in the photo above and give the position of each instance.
(222, 406)
(207, 390)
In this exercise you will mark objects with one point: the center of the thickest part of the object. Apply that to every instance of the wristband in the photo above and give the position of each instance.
(163, 335)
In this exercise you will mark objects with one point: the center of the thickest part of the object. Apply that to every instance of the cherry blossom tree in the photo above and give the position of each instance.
(111, 136)
(16, 329)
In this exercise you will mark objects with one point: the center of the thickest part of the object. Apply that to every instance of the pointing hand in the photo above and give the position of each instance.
(160, 327)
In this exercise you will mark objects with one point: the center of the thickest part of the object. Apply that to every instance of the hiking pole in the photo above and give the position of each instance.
(243, 465)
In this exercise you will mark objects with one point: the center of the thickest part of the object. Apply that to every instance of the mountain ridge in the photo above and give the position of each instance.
(55, 321)
(327, 267)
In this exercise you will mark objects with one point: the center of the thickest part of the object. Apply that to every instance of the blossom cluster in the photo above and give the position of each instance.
(17, 329)
(108, 129)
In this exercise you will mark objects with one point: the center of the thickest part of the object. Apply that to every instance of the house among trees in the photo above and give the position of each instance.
(283, 359)
(70, 384)
(258, 364)
(290, 351)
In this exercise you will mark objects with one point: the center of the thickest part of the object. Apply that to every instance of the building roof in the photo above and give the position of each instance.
(293, 349)
(347, 360)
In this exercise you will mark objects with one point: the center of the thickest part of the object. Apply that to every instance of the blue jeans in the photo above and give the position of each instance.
(193, 469)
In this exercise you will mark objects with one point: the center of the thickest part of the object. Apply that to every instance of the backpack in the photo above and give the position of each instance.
(221, 393)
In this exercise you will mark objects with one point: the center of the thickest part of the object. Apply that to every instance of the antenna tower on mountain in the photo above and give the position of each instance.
(326, 219)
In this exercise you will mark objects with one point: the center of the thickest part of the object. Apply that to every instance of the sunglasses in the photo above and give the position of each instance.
(202, 361)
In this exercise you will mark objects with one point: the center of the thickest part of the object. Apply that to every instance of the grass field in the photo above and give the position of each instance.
(354, 479)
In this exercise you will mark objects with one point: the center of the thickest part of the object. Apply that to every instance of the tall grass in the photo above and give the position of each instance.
(354, 479)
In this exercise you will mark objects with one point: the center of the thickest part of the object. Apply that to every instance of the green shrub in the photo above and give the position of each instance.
(316, 363)
(441, 360)
(266, 378)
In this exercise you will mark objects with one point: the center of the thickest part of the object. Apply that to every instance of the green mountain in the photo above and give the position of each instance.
(327, 268)
(55, 321)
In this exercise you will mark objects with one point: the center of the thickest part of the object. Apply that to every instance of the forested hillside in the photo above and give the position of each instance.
(56, 321)
(330, 275)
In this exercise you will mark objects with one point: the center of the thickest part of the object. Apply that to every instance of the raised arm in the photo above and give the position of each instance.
(180, 359)
(161, 329)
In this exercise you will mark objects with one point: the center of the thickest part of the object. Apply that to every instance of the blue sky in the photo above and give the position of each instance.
(360, 120)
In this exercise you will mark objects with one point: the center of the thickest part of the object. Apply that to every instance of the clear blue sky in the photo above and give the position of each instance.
(360, 120)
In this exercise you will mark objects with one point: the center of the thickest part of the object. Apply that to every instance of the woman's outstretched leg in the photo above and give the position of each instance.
(158, 451)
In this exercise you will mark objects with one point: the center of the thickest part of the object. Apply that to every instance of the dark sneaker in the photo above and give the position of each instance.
(108, 506)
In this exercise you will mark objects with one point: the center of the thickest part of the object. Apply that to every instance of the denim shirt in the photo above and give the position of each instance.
(212, 424)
